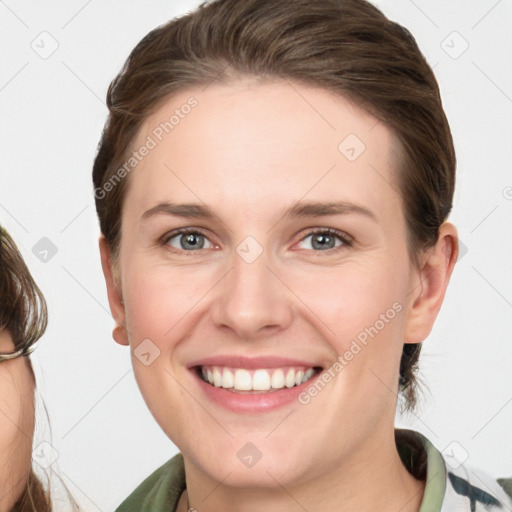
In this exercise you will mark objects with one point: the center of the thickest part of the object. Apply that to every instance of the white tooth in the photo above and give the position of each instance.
(243, 381)
(261, 380)
(204, 372)
(309, 373)
(209, 375)
(290, 378)
(227, 378)
(217, 377)
(278, 379)
(298, 377)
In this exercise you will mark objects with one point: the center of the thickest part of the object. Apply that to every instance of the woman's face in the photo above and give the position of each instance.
(251, 296)
(16, 424)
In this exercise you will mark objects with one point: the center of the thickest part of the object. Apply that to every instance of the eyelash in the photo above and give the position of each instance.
(343, 237)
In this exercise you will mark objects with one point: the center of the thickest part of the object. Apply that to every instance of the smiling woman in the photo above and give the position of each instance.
(287, 239)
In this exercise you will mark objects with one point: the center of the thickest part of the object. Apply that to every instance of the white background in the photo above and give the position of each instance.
(52, 115)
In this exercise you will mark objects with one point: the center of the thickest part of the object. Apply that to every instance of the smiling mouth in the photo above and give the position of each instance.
(254, 381)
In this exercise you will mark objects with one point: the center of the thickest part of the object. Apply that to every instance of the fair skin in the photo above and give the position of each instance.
(250, 150)
(16, 424)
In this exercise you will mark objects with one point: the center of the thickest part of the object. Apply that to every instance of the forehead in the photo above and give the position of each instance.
(262, 142)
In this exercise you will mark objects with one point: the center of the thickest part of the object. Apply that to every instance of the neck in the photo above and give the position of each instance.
(373, 479)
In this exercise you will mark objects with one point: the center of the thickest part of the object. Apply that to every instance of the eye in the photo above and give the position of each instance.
(190, 239)
(186, 240)
(324, 239)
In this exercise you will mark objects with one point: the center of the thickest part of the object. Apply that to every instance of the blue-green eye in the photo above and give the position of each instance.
(325, 239)
(192, 240)
(187, 240)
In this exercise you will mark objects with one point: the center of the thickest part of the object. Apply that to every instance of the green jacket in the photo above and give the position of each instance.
(449, 486)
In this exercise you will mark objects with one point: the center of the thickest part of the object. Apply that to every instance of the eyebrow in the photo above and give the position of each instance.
(299, 210)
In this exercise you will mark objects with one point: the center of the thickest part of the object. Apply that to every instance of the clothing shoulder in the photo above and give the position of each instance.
(475, 489)
(160, 491)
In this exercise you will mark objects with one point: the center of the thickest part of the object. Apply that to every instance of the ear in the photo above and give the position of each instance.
(114, 293)
(429, 284)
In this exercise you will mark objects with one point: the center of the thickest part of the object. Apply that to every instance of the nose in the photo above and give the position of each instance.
(252, 299)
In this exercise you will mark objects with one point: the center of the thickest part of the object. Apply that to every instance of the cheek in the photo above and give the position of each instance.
(364, 310)
(155, 301)
(16, 420)
(352, 300)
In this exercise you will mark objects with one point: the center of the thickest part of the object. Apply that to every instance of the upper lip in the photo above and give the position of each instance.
(232, 361)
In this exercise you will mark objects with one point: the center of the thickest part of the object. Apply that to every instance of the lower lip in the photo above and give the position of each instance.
(251, 402)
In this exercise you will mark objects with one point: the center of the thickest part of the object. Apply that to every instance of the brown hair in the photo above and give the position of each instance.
(23, 310)
(24, 314)
(346, 46)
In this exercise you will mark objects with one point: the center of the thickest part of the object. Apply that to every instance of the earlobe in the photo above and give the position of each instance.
(430, 283)
(115, 300)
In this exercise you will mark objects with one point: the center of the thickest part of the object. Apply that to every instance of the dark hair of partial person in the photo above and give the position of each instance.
(24, 314)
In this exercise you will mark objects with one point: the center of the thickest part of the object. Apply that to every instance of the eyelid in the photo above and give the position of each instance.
(346, 239)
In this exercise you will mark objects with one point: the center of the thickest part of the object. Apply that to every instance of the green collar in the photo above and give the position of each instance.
(161, 491)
